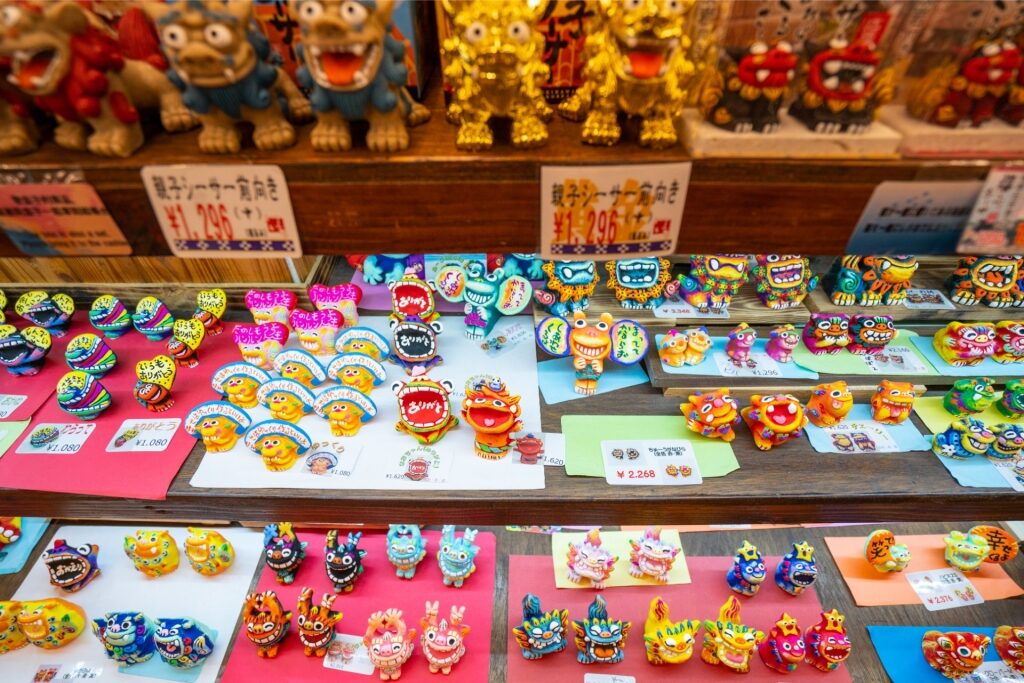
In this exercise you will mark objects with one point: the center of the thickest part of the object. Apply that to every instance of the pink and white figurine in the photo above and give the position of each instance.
(588, 560)
(316, 330)
(651, 556)
(741, 341)
(260, 344)
(781, 341)
(443, 640)
(343, 298)
(270, 307)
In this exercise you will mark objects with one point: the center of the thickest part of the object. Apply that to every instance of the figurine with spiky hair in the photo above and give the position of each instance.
(600, 639)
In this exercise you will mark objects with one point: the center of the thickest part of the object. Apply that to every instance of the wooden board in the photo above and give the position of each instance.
(862, 392)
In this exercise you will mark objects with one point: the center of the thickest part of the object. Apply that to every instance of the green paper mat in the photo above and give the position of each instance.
(9, 433)
(935, 417)
(584, 434)
(846, 363)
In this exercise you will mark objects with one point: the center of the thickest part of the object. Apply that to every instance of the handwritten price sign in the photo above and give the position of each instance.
(606, 212)
(70, 438)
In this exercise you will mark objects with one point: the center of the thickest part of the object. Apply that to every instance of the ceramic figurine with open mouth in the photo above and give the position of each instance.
(652, 557)
(90, 354)
(599, 638)
(839, 93)
(183, 346)
(414, 345)
(238, 383)
(797, 570)
(183, 643)
(827, 333)
(1010, 646)
(568, 288)
(23, 352)
(965, 551)
(893, 402)
(266, 622)
(782, 340)
(541, 633)
(363, 340)
(82, 395)
(712, 282)
(346, 410)
(344, 560)
(154, 553)
(51, 313)
(71, 568)
(413, 298)
(965, 438)
(493, 413)
(870, 280)
(218, 423)
(152, 319)
(300, 366)
(954, 654)
(443, 639)
(278, 443)
(109, 316)
(965, 344)
(870, 334)
(208, 552)
(343, 298)
(588, 561)
(746, 94)
(283, 551)
(50, 623)
(127, 637)
(210, 307)
(316, 623)
(389, 644)
(358, 371)
(457, 555)
(667, 641)
(829, 404)
(316, 330)
(774, 420)
(639, 283)
(155, 379)
(969, 396)
(424, 409)
(11, 637)
(488, 296)
(260, 344)
(1009, 342)
(987, 280)
(828, 645)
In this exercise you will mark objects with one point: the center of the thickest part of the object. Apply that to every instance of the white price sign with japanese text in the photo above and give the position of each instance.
(224, 211)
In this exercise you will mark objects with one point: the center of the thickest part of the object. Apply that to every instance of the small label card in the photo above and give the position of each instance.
(69, 438)
(644, 463)
(992, 672)
(861, 437)
(895, 359)
(144, 435)
(927, 299)
(347, 653)
(681, 309)
(758, 365)
(607, 678)
(941, 589)
(9, 403)
(1005, 469)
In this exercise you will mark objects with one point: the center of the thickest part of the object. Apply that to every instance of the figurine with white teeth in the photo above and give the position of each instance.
(354, 69)
(745, 96)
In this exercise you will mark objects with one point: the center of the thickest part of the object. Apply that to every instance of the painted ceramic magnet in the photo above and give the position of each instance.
(317, 331)
(987, 280)
(210, 307)
(238, 383)
(71, 568)
(300, 366)
(457, 555)
(11, 637)
(260, 344)
(1009, 443)
(774, 420)
(154, 553)
(828, 645)
(748, 570)
(667, 641)
(24, 351)
(317, 623)
(827, 333)
(713, 414)
(344, 560)
(639, 283)
(728, 641)
(587, 560)
(713, 281)
(892, 402)
(965, 344)
(346, 410)
(1002, 545)
(870, 334)
(488, 296)
(155, 379)
(152, 319)
(208, 552)
(964, 438)
(672, 348)
(363, 340)
(414, 345)
(829, 404)
(530, 448)
(279, 443)
(1010, 646)
(870, 280)
(286, 399)
(183, 643)
(82, 395)
(343, 298)
(424, 409)
(746, 92)
(783, 647)
(183, 346)
(266, 622)
(883, 552)
(109, 316)
(412, 297)
(90, 354)
(270, 306)
(965, 551)
(1009, 342)
(283, 551)
(541, 633)
(969, 396)
(652, 557)
(782, 340)
(389, 644)
(624, 342)
(797, 570)
(599, 638)
(783, 281)
(568, 288)
(358, 371)
(52, 313)
(127, 637)
(51, 622)
(443, 639)
(1010, 404)
(10, 530)
(741, 341)
(493, 414)
(954, 654)
(406, 548)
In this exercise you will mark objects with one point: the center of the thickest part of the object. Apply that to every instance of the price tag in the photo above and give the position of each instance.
(681, 309)
(69, 440)
(994, 226)
(895, 359)
(549, 447)
(861, 437)
(432, 263)
(348, 653)
(941, 589)
(1005, 470)
(759, 365)
(143, 435)
(927, 299)
(607, 678)
(507, 338)
(9, 403)
(223, 211)
(607, 212)
(645, 463)
(993, 672)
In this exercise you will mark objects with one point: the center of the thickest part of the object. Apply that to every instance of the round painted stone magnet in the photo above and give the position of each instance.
(90, 354)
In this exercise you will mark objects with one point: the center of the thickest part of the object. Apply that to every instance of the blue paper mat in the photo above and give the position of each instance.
(899, 648)
(157, 668)
(905, 434)
(976, 471)
(986, 368)
(14, 556)
(557, 379)
(709, 368)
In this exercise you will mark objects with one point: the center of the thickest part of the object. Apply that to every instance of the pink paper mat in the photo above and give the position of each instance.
(94, 471)
(698, 600)
(378, 589)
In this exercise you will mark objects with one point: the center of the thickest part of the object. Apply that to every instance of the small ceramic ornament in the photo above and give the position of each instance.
(827, 333)
(1009, 443)
(457, 555)
(343, 298)
(90, 354)
(488, 296)
(273, 306)
(774, 420)
(748, 570)
(587, 560)
(746, 93)
(183, 643)
(344, 560)
(363, 340)
(155, 379)
(829, 404)
(183, 346)
(568, 288)
(279, 443)
(969, 396)
(260, 344)
(358, 371)
(892, 402)
(666, 641)
(870, 334)
(424, 409)
(870, 280)
(639, 283)
(672, 348)
(624, 342)
(208, 552)
(965, 437)
(782, 281)
(10, 530)
(317, 623)
(109, 316)
(286, 399)
(1010, 646)
(51, 622)
(1009, 342)
(154, 553)
(651, 556)
(210, 307)
(965, 551)
(599, 638)
(71, 569)
(797, 570)
(828, 645)
(283, 551)
(954, 654)
(782, 340)
(987, 280)
(218, 423)
(411, 297)
(884, 553)
(712, 414)
(1011, 403)
(238, 383)
(728, 641)
(845, 101)
(541, 633)
(443, 640)
(493, 414)
(414, 345)
(316, 330)
(23, 352)
(1002, 545)
(82, 395)
(11, 637)
(965, 344)
(530, 449)
(152, 319)
(300, 366)
(51, 313)
(741, 341)
(783, 648)
(389, 644)
(346, 410)
(127, 637)
(406, 548)
(266, 622)
(713, 281)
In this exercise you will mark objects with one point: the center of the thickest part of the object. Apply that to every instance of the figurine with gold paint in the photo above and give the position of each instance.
(208, 552)
(154, 553)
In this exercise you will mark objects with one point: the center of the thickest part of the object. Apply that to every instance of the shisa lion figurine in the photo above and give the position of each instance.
(389, 643)
(828, 645)
(651, 556)
(992, 281)
(353, 67)
(748, 570)
(488, 296)
(965, 344)
(637, 64)
(541, 633)
(443, 640)
(127, 637)
(729, 642)
(712, 414)
(954, 654)
(588, 560)
(783, 648)
(829, 404)
(747, 95)
(1010, 646)
(266, 622)
(316, 623)
(494, 414)
(599, 638)
(870, 280)
(495, 67)
(665, 641)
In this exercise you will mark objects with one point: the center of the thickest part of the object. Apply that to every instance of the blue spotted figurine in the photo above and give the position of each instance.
(797, 570)
(748, 571)
(126, 636)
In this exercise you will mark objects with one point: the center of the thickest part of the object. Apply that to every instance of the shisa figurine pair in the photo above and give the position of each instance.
(155, 552)
(829, 333)
(649, 557)
(131, 638)
(968, 344)
(796, 571)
